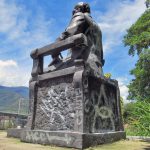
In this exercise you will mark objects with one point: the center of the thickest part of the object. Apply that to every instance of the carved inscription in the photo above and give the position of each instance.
(38, 136)
(56, 105)
(100, 108)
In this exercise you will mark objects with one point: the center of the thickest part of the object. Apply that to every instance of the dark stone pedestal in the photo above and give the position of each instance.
(75, 106)
(71, 109)
(70, 139)
(65, 138)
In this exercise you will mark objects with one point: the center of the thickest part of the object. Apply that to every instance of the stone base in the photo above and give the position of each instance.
(70, 139)
(13, 132)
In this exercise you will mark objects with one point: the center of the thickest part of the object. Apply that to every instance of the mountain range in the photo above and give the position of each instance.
(14, 99)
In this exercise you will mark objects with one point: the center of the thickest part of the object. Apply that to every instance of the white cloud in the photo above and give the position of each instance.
(123, 88)
(8, 15)
(117, 20)
(23, 31)
(12, 75)
(7, 63)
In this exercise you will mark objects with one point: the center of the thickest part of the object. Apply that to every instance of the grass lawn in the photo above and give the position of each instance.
(15, 144)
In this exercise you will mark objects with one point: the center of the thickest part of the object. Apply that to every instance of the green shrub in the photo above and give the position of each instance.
(137, 116)
(5, 124)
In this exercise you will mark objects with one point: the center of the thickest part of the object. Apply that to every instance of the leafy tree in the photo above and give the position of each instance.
(137, 114)
(139, 88)
(138, 35)
(138, 40)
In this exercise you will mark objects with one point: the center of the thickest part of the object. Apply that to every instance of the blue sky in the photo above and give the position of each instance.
(26, 25)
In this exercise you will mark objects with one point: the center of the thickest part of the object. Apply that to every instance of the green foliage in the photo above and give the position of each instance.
(5, 124)
(138, 40)
(139, 88)
(137, 116)
(138, 35)
(107, 75)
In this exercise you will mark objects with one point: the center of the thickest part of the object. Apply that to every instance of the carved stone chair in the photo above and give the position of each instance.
(69, 107)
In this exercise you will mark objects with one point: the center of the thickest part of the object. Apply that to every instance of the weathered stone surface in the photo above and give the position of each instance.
(55, 105)
(59, 46)
(70, 139)
(101, 113)
(16, 133)
(102, 138)
(59, 138)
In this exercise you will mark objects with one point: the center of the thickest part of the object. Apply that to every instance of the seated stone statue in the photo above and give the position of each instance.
(92, 55)
(72, 104)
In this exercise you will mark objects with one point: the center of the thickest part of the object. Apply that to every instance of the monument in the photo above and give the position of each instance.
(72, 104)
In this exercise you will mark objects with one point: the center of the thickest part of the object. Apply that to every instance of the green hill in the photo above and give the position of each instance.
(14, 99)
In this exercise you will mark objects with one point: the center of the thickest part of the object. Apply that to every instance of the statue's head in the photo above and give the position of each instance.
(81, 7)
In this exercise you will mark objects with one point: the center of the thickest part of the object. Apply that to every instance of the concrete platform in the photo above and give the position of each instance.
(67, 139)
